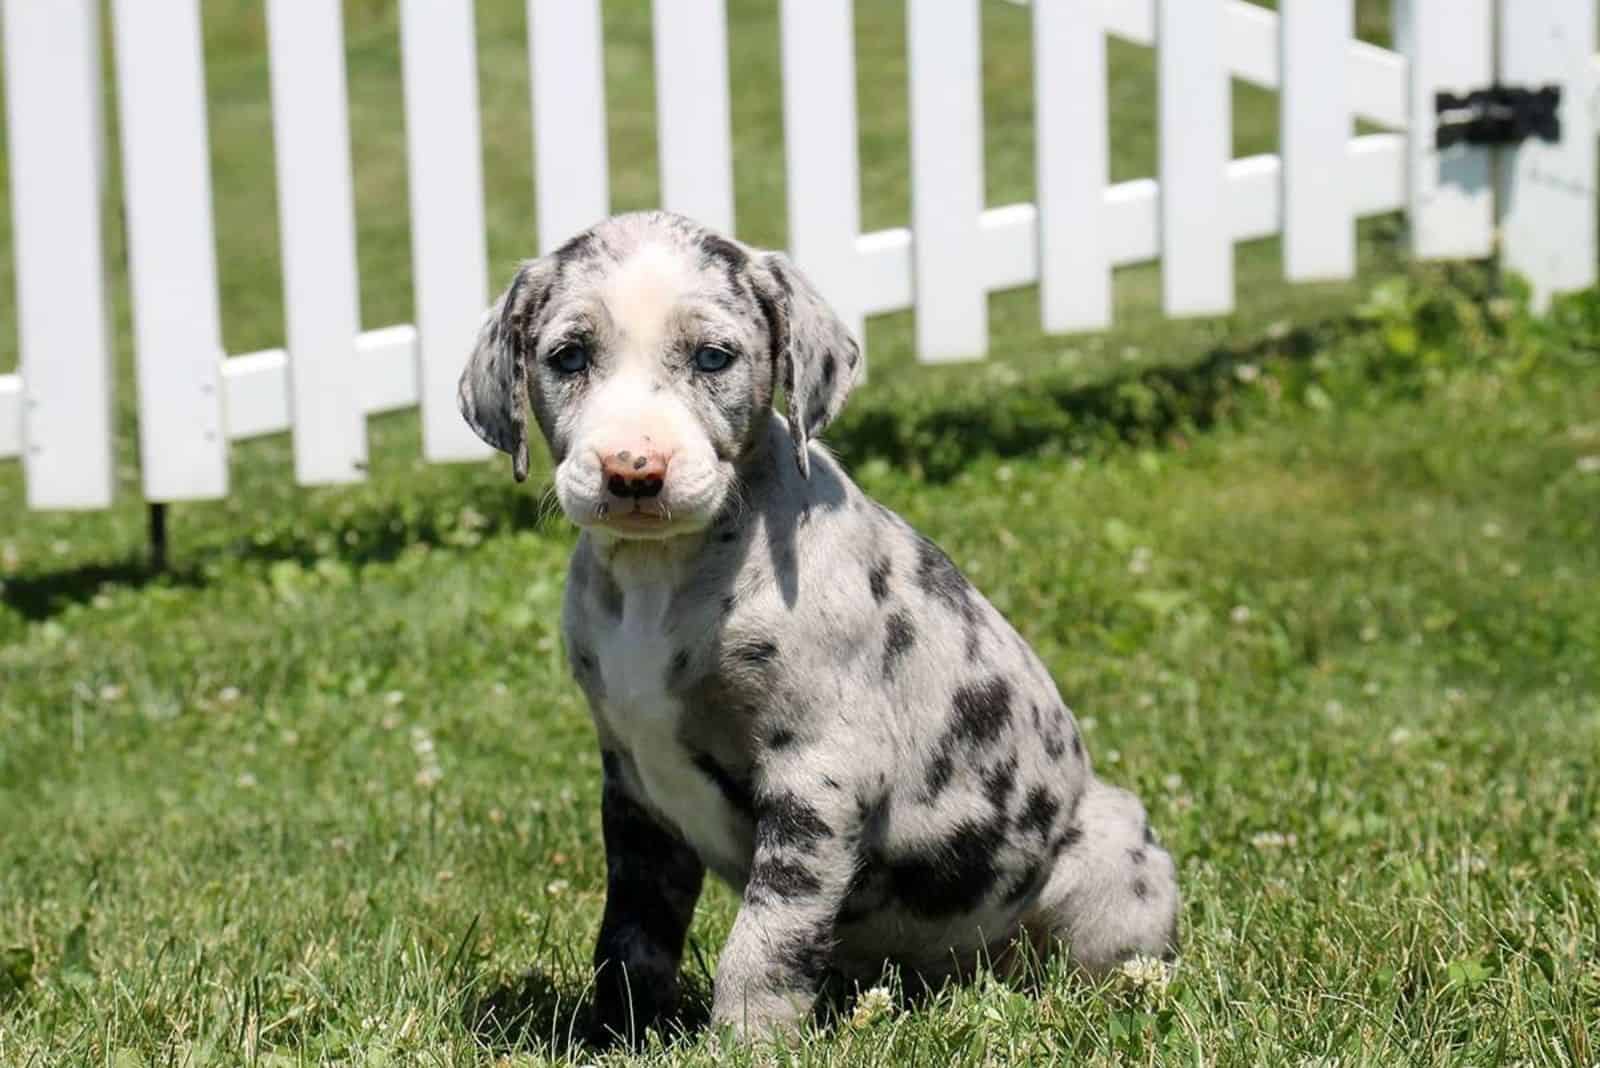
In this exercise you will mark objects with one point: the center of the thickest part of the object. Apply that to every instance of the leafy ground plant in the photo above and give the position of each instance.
(1327, 600)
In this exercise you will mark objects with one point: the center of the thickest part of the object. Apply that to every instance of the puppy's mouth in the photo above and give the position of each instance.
(640, 520)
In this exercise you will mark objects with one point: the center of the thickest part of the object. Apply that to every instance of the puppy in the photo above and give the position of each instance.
(791, 687)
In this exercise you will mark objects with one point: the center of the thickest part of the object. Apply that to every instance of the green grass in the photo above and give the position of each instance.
(1321, 577)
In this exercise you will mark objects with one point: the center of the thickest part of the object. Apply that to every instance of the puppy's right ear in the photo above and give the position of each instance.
(493, 393)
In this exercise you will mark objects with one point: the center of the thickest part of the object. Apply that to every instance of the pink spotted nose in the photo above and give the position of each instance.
(633, 475)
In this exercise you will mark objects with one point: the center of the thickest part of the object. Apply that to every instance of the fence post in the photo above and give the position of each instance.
(944, 56)
(1071, 130)
(572, 183)
(819, 125)
(1196, 128)
(449, 257)
(1547, 191)
(166, 177)
(1451, 197)
(316, 208)
(1319, 234)
(56, 140)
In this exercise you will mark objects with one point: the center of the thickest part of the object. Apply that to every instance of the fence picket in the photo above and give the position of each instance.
(449, 258)
(316, 213)
(166, 169)
(1196, 144)
(819, 122)
(1547, 191)
(572, 183)
(1073, 161)
(54, 134)
(947, 196)
(1319, 239)
(1451, 48)
(691, 47)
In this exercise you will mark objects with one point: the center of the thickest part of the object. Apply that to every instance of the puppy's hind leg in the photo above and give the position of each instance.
(1114, 892)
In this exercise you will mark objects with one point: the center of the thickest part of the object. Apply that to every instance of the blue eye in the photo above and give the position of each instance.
(711, 359)
(570, 359)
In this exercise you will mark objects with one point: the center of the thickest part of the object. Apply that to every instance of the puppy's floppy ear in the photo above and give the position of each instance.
(815, 357)
(493, 393)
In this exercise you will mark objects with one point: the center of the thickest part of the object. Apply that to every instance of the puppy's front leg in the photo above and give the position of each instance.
(782, 939)
(652, 882)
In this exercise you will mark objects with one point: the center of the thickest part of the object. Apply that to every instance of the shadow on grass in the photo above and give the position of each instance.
(378, 532)
(39, 597)
(534, 1013)
(1145, 407)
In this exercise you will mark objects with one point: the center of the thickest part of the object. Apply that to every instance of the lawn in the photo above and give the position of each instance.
(1320, 581)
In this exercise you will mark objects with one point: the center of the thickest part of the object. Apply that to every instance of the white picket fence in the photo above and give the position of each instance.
(193, 398)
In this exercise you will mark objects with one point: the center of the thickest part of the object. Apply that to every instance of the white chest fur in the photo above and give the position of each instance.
(634, 660)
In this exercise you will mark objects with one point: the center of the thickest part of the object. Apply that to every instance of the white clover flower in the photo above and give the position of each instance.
(228, 694)
(246, 780)
(1589, 465)
(872, 1006)
(1146, 974)
(1240, 614)
(557, 888)
(1139, 563)
(1274, 840)
(429, 772)
(394, 697)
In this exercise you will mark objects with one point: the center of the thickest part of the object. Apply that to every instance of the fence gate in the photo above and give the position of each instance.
(1487, 142)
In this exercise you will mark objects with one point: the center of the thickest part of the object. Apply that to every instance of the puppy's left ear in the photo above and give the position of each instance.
(814, 355)
(493, 392)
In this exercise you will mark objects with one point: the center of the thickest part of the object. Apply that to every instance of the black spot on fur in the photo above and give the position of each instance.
(939, 577)
(780, 738)
(982, 711)
(1141, 889)
(729, 255)
(900, 636)
(830, 367)
(1149, 835)
(940, 769)
(786, 822)
(728, 602)
(579, 247)
(1070, 836)
(1039, 814)
(737, 793)
(780, 878)
(952, 875)
(1077, 745)
(1137, 856)
(999, 783)
(1027, 883)
(878, 580)
(804, 957)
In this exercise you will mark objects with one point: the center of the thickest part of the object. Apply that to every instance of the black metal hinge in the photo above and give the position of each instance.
(1499, 115)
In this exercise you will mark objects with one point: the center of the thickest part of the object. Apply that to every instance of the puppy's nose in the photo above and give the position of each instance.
(633, 474)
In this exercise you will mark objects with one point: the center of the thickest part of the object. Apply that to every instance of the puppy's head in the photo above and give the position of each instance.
(650, 350)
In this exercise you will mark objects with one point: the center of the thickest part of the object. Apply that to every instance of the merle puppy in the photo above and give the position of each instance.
(791, 686)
